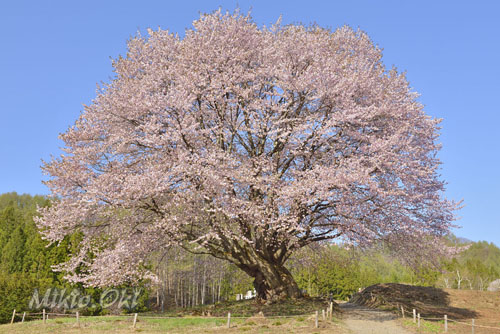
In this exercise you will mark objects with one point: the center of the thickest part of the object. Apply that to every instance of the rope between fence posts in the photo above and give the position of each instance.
(225, 317)
(449, 320)
(35, 315)
(475, 325)
(460, 322)
(106, 316)
(240, 317)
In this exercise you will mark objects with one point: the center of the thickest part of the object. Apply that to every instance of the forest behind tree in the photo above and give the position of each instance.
(187, 280)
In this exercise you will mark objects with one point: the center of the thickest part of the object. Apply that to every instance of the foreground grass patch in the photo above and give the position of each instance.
(115, 325)
(183, 325)
(425, 326)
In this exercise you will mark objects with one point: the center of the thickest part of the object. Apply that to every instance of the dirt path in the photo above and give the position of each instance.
(362, 320)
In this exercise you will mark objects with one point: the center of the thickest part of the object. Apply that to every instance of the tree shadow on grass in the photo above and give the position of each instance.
(428, 301)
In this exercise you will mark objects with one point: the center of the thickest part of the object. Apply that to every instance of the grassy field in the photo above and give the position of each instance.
(247, 316)
(482, 305)
(118, 324)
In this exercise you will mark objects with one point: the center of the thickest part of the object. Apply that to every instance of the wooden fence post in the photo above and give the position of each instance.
(323, 315)
(414, 316)
(403, 311)
(229, 320)
(77, 318)
(331, 310)
(473, 329)
(446, 323)
(13, 316)
(43, 317)
(24, 315)
(316, 320)
(418, 317)
(135, 319)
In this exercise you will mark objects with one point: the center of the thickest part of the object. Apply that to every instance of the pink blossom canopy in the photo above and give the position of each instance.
(237, 139)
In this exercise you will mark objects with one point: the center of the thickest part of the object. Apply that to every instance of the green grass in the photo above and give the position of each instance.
(117, 324)
(426, 326)
(245, 317)
(175, 323)
(146, 325)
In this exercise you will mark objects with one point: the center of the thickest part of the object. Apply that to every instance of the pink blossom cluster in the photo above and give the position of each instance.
(238, 140)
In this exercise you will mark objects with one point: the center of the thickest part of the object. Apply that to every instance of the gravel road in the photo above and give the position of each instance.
(362, 320)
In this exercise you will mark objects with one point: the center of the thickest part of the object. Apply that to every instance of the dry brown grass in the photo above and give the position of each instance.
(123, 325)
(460, 305)
(247, 308)
(428, 301)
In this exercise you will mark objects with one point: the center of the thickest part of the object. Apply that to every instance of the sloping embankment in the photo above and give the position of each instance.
(428, 301)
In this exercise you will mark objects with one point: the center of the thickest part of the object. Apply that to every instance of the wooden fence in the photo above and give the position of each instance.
(326, 315)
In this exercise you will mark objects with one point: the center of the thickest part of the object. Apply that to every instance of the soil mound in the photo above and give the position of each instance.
(428, 301)
(252, 307)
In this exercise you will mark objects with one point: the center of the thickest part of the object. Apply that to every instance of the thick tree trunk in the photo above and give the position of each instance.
(272, 280)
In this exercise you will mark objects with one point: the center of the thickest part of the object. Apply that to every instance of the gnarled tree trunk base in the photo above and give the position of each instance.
(272, 281)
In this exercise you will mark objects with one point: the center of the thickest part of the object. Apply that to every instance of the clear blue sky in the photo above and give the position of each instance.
(54, 52)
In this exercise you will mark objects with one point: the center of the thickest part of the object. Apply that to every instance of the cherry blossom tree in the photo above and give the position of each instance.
(245, 143)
